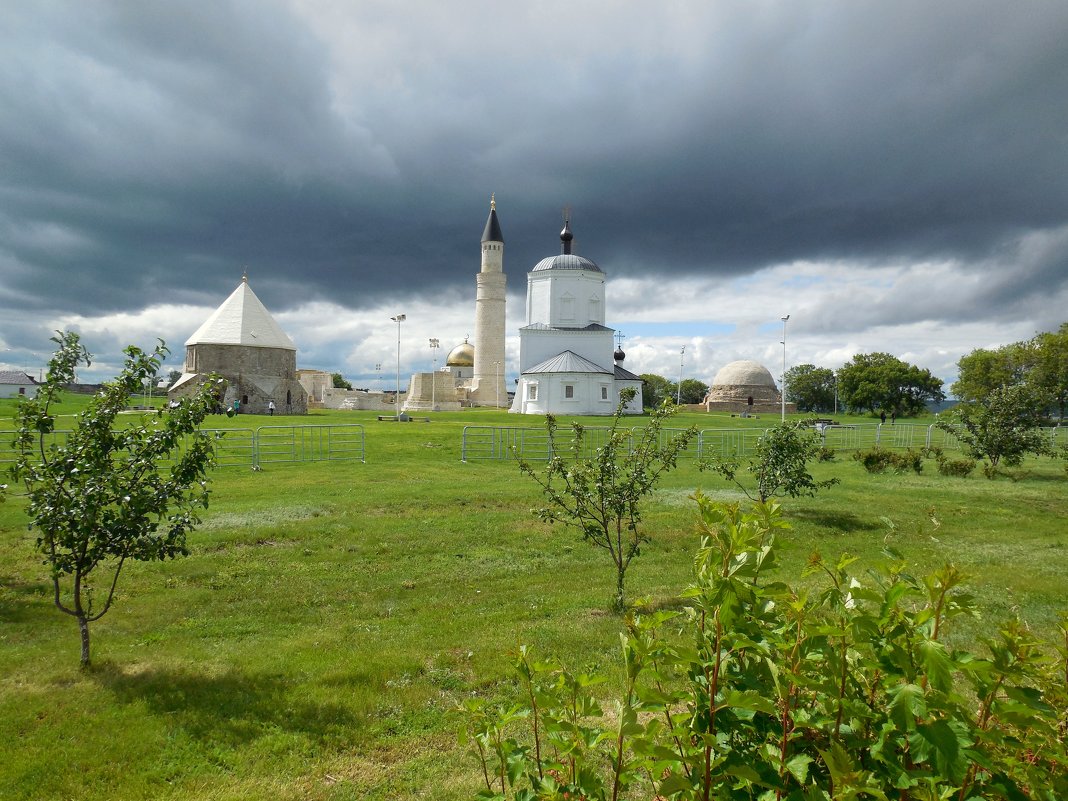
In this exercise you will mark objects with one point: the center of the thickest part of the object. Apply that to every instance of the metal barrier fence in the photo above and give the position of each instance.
(245, 447)
(310, 443)
(532, 444)
(505, 442)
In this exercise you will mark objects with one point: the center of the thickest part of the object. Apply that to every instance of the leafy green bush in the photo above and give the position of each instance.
(761, 690)
(874, 460)
(955, 467)
(780, 464)
(906, 460)
(878, 459)
(825, 454)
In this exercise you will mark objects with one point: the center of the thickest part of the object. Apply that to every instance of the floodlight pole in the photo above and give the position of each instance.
(784, 319)
(678, 389)
(836, 393)
(434, 345)
(400, 318)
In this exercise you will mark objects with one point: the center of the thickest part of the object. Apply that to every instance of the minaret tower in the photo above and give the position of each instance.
(488, 385)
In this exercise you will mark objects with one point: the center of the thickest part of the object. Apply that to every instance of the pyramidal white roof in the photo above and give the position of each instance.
(242, 320)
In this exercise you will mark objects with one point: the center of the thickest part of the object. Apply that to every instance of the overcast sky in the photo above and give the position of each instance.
(892, 175)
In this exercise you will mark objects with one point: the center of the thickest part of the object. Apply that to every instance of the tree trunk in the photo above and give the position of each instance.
(619, 605)
(83, 625)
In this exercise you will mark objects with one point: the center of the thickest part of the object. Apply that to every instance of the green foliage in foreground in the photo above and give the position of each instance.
(330, 617)
(760, 689)
(100, 496)
(602, 495)
(780, 464)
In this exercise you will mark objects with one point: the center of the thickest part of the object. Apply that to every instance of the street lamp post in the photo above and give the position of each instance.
(784, 319)
(400, 318)
(434, 345)
(836, 393)
(497, 383)
(678, 389)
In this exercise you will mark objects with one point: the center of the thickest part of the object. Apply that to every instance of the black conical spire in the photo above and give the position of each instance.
(492, 232)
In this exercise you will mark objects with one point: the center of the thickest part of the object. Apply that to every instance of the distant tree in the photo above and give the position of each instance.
(780, 464)
(602, 495)
(1003, 427)
(878, 381)
(982, 371)
(172, 377)
(693, 391)
(1050, 372)
(656, 389)
(339, 381)
(103, 495)
(811, 388)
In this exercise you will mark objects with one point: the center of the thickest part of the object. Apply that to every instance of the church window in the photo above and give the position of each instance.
(569, 391)
(567, 308)
(604, 393)
(595, 310)
(532, 392)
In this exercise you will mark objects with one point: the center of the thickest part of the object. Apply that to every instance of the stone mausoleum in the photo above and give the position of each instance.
(744, 386)
(242, 342)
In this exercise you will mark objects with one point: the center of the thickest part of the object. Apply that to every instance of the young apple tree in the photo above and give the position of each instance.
(102, 494)
(780, 464)
(602, 494)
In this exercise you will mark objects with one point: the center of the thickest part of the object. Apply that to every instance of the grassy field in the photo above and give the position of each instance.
(332, 615)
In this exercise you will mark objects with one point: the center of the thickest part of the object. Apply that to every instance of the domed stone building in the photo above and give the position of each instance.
(744, 386)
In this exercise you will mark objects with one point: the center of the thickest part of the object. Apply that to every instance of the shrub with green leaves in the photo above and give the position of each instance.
(879, 459)
(762, 690)
(960, 468)
(874, 460)
(780, 464)
(602, 495)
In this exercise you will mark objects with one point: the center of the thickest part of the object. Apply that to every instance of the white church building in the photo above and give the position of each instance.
(567, 363)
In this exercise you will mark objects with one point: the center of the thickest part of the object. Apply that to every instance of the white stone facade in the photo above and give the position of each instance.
(488, 384)
(566, 359)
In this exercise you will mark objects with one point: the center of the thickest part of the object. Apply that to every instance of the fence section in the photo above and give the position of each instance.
(310, 443)
(245, 447)
(532, 444)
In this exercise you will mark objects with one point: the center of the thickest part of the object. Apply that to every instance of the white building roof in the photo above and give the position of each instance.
(15, 377)
(567, 362)
(242, 320)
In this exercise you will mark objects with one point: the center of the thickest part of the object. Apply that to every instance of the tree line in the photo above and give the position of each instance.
(881, 383)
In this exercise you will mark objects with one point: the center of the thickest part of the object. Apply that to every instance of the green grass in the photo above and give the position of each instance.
(332, 615)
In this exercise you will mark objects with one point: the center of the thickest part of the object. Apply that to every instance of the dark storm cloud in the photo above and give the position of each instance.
(151, 151)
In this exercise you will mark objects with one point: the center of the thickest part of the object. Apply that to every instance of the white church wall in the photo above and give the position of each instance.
(537, 345)
(565, 298)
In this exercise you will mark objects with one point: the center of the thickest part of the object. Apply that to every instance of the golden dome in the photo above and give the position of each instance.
(461, 356)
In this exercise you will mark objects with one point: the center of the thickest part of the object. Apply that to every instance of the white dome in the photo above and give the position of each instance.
(743, 373)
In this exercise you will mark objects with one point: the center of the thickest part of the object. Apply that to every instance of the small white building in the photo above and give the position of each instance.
(14, 383)
(567, 363)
